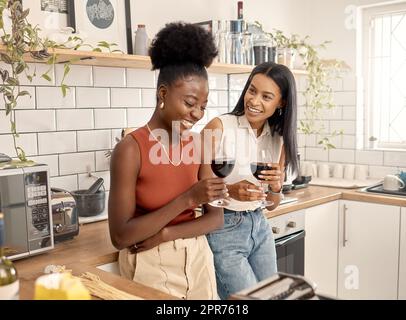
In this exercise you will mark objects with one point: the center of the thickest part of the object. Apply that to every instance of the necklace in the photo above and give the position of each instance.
(163, 147)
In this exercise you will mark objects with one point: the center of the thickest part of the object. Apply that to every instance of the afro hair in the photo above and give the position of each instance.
(181, 43)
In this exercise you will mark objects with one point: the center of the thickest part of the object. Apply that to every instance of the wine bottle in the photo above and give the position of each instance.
(9, 284)
(240, 14)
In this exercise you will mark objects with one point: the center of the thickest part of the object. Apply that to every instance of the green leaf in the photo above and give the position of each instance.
(21, 154)
(20, 67)
(66, 69)
(6, 58)
(25, 14)
(23, 93)
(4, 75)
(103, 44)
(97, 50)
(46, 77)
(8, 108)
(12, 81)
(64, 89)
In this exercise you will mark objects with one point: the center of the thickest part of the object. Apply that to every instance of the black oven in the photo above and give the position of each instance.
(290, 253)
(289, 234)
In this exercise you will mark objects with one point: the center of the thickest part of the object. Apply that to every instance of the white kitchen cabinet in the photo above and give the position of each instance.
(402, 257)
(368, 253)
(321, 247)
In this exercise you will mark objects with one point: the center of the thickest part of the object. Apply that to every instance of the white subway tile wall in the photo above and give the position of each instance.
(72, 134)
(52, 98)
(78, 76)
(72, 163)
(69, 183)
(125, 98)
(344, 117)
(24, 102)
(109, 77)
(27, 141)
(39, 69)
(87, 97)
(79, 119)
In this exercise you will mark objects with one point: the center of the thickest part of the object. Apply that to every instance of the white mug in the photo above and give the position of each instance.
(349, 171)
(338, 171)
(393, 183)
(324, 171)
(314, 170)
(361, 172)
(310, 169)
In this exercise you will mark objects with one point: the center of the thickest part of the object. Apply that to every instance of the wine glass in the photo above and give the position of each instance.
(265, 157)
(222, 165)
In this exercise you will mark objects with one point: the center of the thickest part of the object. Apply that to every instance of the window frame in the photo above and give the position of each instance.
(366, 14)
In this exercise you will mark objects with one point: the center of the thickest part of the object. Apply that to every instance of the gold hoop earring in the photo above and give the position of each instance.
(162, 106)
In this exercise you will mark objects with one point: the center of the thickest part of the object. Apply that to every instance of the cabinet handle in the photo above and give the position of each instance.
(344, 225)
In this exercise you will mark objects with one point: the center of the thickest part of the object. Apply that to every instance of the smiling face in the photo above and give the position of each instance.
(185, 101)
(261, 100)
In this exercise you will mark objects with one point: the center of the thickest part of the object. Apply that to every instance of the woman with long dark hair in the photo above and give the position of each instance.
(263, 123)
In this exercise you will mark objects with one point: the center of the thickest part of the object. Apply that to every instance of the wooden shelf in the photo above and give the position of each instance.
(102, 59)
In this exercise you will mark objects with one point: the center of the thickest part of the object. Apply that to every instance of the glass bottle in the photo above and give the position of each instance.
(9, 284)
(141, 41)
(234, 43)
(247, 48)
(240, 13)
(220, 39)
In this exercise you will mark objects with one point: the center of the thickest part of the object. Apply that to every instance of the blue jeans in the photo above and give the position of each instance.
(244, 251)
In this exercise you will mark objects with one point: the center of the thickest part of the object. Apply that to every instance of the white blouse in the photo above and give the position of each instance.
(239, 138)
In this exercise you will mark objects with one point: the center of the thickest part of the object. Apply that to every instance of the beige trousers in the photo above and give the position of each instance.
(183, 268)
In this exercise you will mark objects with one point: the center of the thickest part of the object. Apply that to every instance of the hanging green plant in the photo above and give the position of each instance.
(24, 40)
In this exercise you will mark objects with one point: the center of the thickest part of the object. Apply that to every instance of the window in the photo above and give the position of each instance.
(384, 74)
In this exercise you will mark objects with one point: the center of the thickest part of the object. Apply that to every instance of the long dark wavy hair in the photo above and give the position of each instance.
(284, 124)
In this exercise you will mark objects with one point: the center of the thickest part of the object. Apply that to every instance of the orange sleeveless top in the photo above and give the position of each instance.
(158, 184)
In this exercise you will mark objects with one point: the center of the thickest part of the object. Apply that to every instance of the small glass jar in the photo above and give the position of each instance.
(285, 56)
(247, 48)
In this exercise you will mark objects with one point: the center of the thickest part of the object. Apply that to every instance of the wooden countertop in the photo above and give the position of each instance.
(314, 195)
(92, 247)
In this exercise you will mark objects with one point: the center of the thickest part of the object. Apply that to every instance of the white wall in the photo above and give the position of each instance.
(333, 20)
(155, 14)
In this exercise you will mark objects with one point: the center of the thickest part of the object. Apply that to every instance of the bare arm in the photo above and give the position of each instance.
(212, 218)
(125, 229)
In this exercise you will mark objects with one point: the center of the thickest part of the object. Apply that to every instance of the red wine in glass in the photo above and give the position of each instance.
(256, 168)
(221, 167)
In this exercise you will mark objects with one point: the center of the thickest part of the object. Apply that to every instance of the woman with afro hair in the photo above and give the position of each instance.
(154, 190)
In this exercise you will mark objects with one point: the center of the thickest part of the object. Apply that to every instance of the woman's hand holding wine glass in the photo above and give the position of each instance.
(272, 177)
(222, 165)
(267, 173)
(207, 190)
(246, 191)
